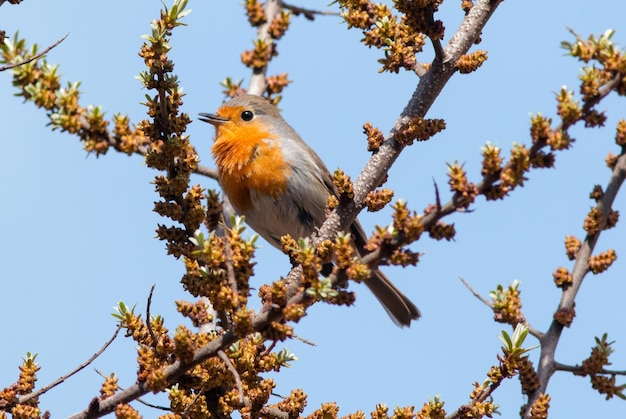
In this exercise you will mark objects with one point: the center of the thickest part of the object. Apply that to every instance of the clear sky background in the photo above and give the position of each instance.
(78, 232)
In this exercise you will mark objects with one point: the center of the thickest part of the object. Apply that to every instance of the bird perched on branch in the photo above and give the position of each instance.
(274, 179)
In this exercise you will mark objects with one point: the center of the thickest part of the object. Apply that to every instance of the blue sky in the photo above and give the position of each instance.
(79, 231)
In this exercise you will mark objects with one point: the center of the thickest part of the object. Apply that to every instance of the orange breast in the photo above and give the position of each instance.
(248, 157)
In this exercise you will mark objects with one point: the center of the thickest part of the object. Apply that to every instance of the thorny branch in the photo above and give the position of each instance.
(308, 13)
(24, 399)
(148, 321)
(536, 333)
(139, 400)
(547, 363)
(258, 81)
(428, 88)
(178, 368)
(486, 183)
(577, 368)
(476, 293)
(34, 57)
(222, 355)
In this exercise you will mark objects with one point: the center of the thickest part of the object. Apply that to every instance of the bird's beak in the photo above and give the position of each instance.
(212, 119)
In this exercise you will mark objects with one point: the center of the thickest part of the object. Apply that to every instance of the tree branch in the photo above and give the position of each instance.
(428, 88)
(476, 294)
(488, 181)
(308, 13)
(547, 363)
(34, 57)
(260, 322)
(258, 81)
(222, 355)
(139, 400)
(536, 333)
(577, 368)
(35, 394)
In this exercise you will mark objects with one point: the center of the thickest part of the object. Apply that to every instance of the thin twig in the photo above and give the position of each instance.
(205, 171)
(303, 340)
(576, 35)
(33, 58)
(269, 349)
(486, 183)
(193, 402)
(308, 13)
(437, 196)
(547, 362)
(534, 332)
(577, 368)
(476, 294)
(222, 355)
(148, 321)
(140, 400)
(480, 397)
(27, 397)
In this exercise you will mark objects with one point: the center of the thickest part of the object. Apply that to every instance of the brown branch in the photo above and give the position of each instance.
(437, 196)
(488, 181)
(308, 13)
(428, 88)
(205, 171)
(258, 81)
(172, 372)
(577, 368)
(547, 363)
(576, 35)
(143, 150)
(483, 395)
(139, 400)
(476, 294)
(27, 397)
(200, 393)
(35, 57)
(536, 333)
(222, 355)
(303, 340)
(269, 348)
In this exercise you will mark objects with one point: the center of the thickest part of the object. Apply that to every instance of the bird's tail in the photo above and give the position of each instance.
(396, 304)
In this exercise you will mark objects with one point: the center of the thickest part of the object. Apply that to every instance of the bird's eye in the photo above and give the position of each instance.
(247, 115)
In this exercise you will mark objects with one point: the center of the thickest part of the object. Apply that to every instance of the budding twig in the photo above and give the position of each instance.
(34, 394)
(35, 57)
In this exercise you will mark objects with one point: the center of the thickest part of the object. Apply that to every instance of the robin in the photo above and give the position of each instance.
(280, 185)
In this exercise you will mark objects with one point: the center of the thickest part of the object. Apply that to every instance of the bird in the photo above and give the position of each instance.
(280, 185)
